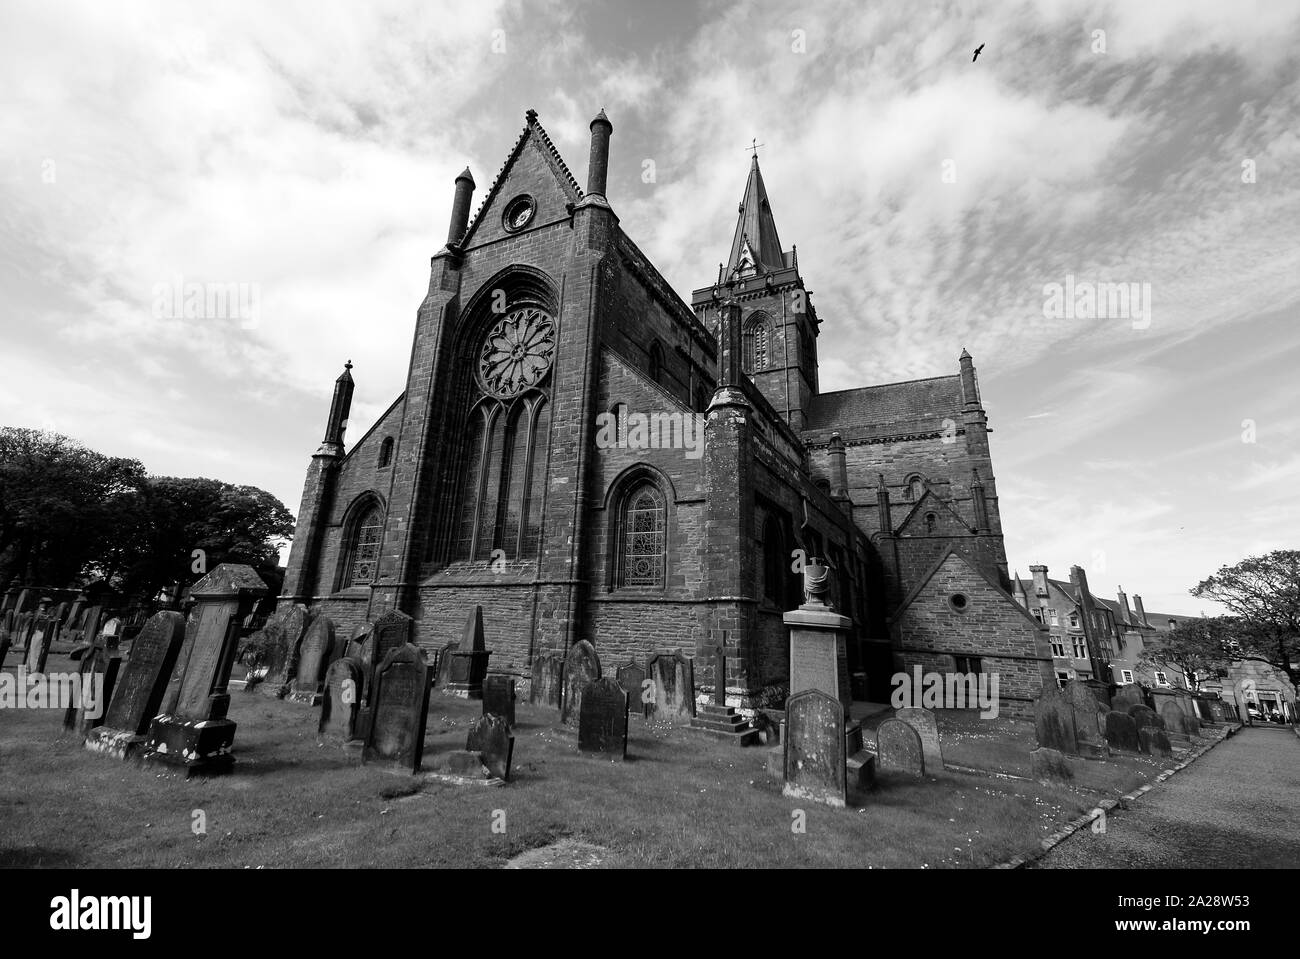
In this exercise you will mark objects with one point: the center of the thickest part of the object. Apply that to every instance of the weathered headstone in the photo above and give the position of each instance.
(142, 681)
(581, 666)
(491, 738)
(38, 645)
(547, 680)
(1050, 765)
(469, 663)
(193, 732)
(602, 719)
(673, 675)
(814, 761)
(898, 748)
(400, 709)
(1089, 719)
(1143, 717)
(632, 678)
(1054, 721)
(1127, 696)
(98, 679)
(499, 697)
(391, 631)
(281, 635)
(1121, 731)
(313, 660)
(1153, 740)
(340, 701)
(444, 664)
(923, 721)
(7, 619)
(1177, 721)
(818, 656)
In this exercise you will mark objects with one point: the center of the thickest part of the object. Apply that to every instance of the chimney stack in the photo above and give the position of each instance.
(1141, 613)
(598, 160)
(1040, 579)
(1126, 615)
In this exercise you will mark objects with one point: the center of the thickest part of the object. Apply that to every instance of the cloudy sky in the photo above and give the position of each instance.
(307, 150)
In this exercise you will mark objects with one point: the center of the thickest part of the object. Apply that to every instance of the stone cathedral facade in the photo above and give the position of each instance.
(588, 456)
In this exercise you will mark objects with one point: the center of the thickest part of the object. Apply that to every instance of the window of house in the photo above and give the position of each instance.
(1058, 646)
(1126, 676)
(1062, 677)
(1161, 679)
(643, 537)
(1080, 647)
(968, 664)
(386, 453)
(363, 554)
(1037, 612)
(1074, 620)
(1051, 615)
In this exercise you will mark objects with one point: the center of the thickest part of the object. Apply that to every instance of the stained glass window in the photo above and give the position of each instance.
(643, 538)
(364, 560)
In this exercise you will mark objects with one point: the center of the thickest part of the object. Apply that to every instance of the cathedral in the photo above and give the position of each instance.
(587, 455)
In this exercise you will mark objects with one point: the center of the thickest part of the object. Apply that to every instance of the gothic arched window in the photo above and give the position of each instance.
(757, 343)
(506, 438)
(386, 453)
(656, 361)
(915, 488)
(931, 523)
(643, 537)
(363, 547)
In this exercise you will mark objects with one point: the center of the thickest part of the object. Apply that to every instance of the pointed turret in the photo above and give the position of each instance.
(755, 248)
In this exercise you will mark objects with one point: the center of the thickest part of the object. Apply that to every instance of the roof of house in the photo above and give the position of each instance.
(913, 402)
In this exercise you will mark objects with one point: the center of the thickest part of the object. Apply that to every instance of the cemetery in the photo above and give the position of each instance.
(226, 739)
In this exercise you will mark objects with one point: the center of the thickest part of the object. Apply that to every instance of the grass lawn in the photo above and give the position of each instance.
(679, 801)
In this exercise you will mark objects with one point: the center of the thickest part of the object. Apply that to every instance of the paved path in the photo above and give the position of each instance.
(1236, 806)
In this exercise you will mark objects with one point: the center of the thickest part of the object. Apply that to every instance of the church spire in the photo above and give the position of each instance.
(755, 248)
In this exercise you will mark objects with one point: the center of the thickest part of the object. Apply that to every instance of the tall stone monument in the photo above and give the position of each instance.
(193, 732)
(469, 661)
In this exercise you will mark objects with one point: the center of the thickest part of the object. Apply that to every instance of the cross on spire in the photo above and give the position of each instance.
(754, 145)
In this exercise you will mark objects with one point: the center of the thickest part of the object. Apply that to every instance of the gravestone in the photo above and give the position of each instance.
(1217, 711)
(923, 721)
(815, 766)
(1089, 719)
(38, 645)
(581, 667)
(499, 697)
(391, 631)
(192, 732)
(818, 656)
(1050, 765)
(490, 737)
(602, 719)
(444, 664)
(23, 634)
(7, 619)
(1143, 717)
(673, 675)
(282, 635)
(142, 681)
(1127, 696)
(898, 748)
(1177, 721)
(1121, 731)
(469, 663)
(313, 660)
(97, 678)
(340, 700)
(399, 709)
(1154, 740)
(1054, 720)
(546, 688)
(632, 678)
(358, 643)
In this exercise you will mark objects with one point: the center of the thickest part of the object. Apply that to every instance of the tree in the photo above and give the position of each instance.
(1263, 593)
(59, 503)
(1195, 647)
(181, 528)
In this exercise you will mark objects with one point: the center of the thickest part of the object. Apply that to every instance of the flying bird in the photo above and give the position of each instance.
(978, 51)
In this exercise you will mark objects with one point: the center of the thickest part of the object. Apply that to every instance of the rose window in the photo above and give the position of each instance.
(517, 353)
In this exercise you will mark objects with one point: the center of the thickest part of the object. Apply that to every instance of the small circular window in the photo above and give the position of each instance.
(958, 601)
(519, 212)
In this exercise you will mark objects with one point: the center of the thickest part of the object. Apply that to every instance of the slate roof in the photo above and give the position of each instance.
(889, 403)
